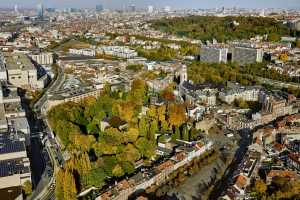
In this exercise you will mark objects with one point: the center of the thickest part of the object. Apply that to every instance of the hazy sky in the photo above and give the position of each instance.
(157, 3)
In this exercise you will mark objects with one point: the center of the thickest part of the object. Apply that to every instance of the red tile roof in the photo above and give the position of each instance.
(241, 182)
(282, 173)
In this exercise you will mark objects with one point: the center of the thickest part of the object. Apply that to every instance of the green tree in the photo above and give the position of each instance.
(185, 134)
(95, 177)
(131, 135)
(146, 147)
(153, 130)
(130, 153)
(128, 167)
(176, 135)
(143, 126)
(27, 188)
(274, 37)
(118, 171)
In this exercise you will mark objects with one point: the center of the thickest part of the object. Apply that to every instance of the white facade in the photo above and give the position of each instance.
(83, 52)
(43, 58)
(243, 94)
(118, 51)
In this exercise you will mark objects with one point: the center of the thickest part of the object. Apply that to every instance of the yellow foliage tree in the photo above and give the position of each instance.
(284, 57)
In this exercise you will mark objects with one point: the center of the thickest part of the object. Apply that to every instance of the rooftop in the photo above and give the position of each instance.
(13, 107)
(18, 61)
(15, 166)
(10, 143)
(282, 173)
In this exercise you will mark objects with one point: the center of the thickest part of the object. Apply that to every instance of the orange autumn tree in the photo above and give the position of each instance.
(176, 114)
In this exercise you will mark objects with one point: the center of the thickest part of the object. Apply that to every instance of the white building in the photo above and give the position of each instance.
(83, 52)
(3, 74)
(246, 94)
(118, 51)
(43, 58)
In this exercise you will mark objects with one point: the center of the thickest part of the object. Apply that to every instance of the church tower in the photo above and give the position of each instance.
(183, 74)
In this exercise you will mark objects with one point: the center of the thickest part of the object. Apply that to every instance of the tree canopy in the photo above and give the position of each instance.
(223, 28)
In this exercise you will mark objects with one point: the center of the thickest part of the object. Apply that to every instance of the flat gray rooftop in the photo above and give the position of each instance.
(18, 61)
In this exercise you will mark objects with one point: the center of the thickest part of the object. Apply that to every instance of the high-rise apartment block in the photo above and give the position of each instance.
(214, 54)
(247, 55)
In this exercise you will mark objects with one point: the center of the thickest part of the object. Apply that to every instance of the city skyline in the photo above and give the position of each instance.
(175, 4)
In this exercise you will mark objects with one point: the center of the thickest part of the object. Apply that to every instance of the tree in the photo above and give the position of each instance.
(221, 28)
(161, 112)
(176, 114)
(95, 177)
(27, 188)
(168, 95)
(135, 68)
(131, 135)
(260, 187)
(143, 127)
(176, 135)
(284, 57)
(118, 171)
(153, 130)
(108, 164)
(127, 110)
(138, 91)
(241, 103)
(130, 154)
(152, 112)
(112, 137)
(107, 89)
(165, 126)
(83, 142)
(145, 147)
(128, 167)
(105, 148)
(70, 190)
(185, 134)
(59, 187)
(274, 37)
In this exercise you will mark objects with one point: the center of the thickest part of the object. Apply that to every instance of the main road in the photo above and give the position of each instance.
(44, 190)
(277, 84)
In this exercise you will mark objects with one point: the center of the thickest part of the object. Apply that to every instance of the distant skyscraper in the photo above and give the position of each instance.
(16, 9)
(150, 9)
(132, 8)
(40, 11)
(99, 7)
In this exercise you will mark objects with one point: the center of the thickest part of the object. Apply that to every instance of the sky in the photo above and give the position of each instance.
(175, 4)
